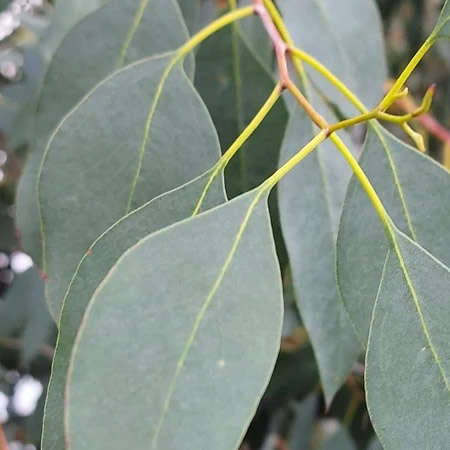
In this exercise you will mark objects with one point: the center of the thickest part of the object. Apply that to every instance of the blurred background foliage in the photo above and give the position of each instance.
(292, 414)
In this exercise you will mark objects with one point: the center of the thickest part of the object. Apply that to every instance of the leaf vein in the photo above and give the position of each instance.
(420, 313)
(199, 318)
(131, 32)
(396, 180)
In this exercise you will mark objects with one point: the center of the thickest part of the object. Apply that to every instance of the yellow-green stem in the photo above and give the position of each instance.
(239, 142)
(401, 80)
(296, 159)
(322, 123)
(214, 26)
(335, 81)
(366, 184)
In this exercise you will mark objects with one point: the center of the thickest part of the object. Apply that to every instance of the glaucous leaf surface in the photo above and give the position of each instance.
(66, 14)
(160, 212)
(346, 36)
(234, 86)
(310, 199)
(442, 29)
(408, 356)
(123, 31)
(416, 193)
(198, 289)
(140, 133)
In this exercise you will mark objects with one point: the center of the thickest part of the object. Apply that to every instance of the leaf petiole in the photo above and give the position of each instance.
(239, 142)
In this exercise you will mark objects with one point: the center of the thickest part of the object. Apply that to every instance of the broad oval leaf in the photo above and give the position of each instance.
(125, 143)
(310, 199)
(195, 292)
(160, 212)
(408, 356)
(346, 36)
(123, 31)
(416, 193)
(234, 85)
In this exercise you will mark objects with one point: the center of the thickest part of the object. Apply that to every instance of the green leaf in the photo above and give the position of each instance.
(346, 36)
(65, 15)
(214, 285)
(234, 86)
(418, 208)
(408, 357)
(160, 212)
(311, 198)
(442, 29)
(123, 32)
(133, 153)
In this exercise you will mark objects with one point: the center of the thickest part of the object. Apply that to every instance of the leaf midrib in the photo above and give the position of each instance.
(55, 132)
(131, 32)
(415, 297)
(377, 128)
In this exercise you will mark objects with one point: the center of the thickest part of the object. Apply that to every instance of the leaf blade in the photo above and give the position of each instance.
(228, 222)
(407, 327)
(125, 31)
(393, 168)
(162, 211)
(137, 99)
(334, 34)
(310, 198)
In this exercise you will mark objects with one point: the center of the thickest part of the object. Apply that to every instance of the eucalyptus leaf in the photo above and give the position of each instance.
(65, 15)
(333, 32)
(122, 32)
(416, 193)
(442, 29)
(198, 289)
(408, 357)
(310, 199)
(160, 212)
(142, 144)
(234, 86)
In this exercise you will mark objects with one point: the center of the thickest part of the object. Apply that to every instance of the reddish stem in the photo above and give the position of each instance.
(277, 42)
(3, 442)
